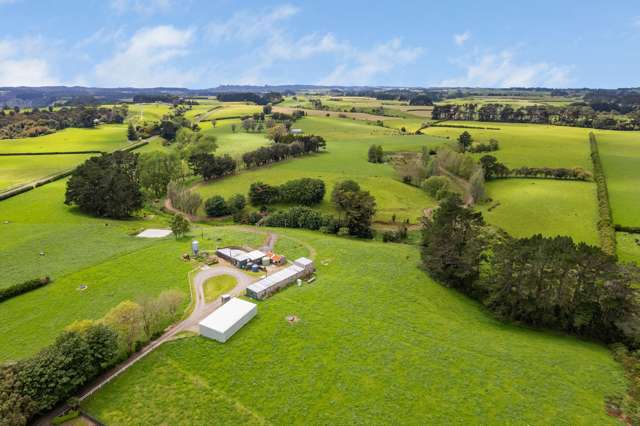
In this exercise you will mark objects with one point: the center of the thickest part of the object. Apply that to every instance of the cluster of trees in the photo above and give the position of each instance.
(107, 185)
(438, 187)
(540, 281)
(492, 145)
(157, 169)
(305, 191)
(17, 124)
(217, 206)
(84, 350)
(356, 207)
(259, 99)
(375, 154)
(210, 166)
(182, 198)
(285, 147)
(606, 229)
(494, 169)
(577, 115)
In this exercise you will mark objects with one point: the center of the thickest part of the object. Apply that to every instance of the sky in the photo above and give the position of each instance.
(203, 44)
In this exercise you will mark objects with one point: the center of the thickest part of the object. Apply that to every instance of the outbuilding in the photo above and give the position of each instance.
(225, 321)
(269, 285)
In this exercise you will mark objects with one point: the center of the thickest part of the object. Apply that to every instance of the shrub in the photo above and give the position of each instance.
(343, 231)
(305, 191)
(18, 289)
(436, 186)
(236, 202)
(261, 194)
(216, 206)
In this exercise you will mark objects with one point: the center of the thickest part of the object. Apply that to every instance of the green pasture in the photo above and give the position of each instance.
(102, 254)
(19, 170)
(108, 137)
(150, 112)
(620, 154)
(544, 206)
(628, 247)
(346, 158)
(234, 110)
(532, 145)
(375, 338)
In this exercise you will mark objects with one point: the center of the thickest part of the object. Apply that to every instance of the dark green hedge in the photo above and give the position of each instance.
(18, 289)
(606, 229)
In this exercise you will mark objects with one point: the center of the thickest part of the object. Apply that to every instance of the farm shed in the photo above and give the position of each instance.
(279, 280)
(225, 321)
(256, 256)
(235, 256)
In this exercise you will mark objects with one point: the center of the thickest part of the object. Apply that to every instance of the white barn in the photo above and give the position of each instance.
(225, 321)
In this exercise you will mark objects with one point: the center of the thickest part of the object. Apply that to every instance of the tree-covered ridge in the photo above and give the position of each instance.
(576, 115)
(19, 124)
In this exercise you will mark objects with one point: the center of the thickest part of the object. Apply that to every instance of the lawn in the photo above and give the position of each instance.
(532, 145)
(217, 286)
(103, 138)
(19, 170)
(620, 153)
(548, 207)
(376, 337)
(82, 250)
(346, 158)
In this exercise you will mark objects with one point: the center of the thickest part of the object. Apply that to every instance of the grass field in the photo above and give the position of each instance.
(19, 170)
(103, 138)
(532, 145)
(82, 250)
(217, 286)
(367, 346)
(346, 157)
(548, 207)
(620, 153)
(139, 113)
(628, 247)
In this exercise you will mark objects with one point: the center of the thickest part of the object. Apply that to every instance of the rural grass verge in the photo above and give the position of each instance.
(606, 230)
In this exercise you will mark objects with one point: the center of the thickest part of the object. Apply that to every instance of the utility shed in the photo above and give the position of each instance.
(227, 319)
(279, 280)
(255, 256)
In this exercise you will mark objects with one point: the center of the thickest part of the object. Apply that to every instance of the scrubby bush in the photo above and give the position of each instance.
(305, 191)
(236, 202)
(262, 194)
(216, 206)
(436, 186)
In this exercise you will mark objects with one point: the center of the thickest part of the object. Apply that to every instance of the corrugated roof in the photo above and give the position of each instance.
(223, 318)
(276, 278)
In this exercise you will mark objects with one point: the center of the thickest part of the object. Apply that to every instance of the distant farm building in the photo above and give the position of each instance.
(225, 321)
(241, 258)
(295, 131)
(269, 285)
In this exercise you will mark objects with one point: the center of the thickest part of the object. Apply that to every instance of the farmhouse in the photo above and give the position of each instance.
(264, 288)
(228, 319)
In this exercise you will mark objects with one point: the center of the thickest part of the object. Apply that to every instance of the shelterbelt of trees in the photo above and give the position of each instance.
(580, 114)
(20, 124)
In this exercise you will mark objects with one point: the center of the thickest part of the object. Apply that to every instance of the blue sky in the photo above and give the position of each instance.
(201, 44)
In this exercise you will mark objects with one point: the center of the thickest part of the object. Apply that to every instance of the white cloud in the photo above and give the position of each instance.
(461, 39)
(500, 70)
(146, 59)
(101, 36)
(246, 26)
(360, 67)
(145, 7)
(20, 64)
(270, 45)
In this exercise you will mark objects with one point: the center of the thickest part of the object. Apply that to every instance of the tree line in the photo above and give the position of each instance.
(494, 169)
(22, 124)
(575, 115)
(285, 146)
(85, 349)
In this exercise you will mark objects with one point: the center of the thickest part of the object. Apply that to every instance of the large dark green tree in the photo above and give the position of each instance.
(451, 246)
(107, 185)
